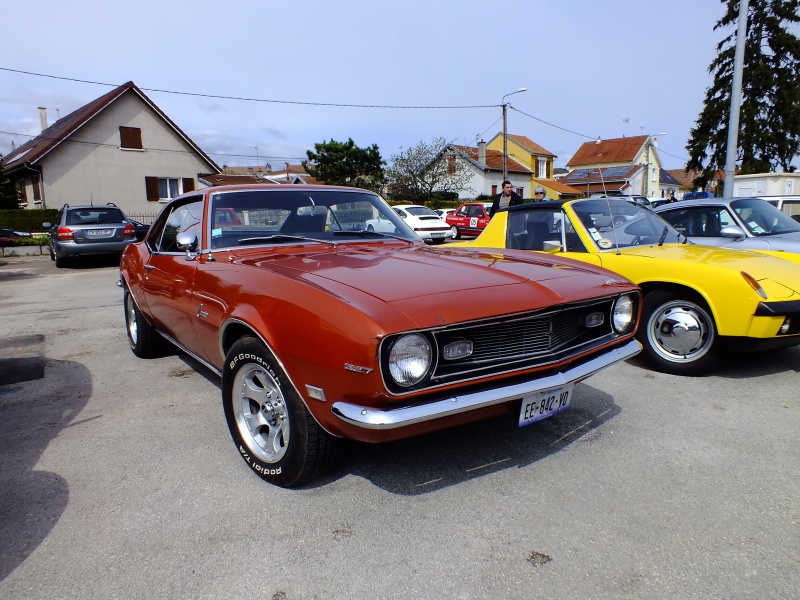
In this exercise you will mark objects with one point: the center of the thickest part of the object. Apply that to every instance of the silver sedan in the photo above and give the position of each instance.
(742, 223)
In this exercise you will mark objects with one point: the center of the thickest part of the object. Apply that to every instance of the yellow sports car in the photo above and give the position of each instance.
(700, 301)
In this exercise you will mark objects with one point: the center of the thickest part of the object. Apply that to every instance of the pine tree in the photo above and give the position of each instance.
(769, 118)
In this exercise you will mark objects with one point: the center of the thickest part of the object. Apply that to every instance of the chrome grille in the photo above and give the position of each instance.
(521, 341)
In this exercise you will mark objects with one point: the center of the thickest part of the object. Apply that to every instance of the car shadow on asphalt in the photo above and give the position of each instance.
(744, 365)
(33, 411)
(438, 460)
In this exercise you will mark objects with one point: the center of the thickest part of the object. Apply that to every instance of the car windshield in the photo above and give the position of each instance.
(613, 223)
(264, 217)
(762, 219)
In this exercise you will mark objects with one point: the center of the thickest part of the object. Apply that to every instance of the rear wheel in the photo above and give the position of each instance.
(678, 334)
(60, 260)
(454, 232)
(274, 432)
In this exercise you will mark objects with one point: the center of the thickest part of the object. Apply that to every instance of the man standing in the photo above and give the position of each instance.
(504, 199)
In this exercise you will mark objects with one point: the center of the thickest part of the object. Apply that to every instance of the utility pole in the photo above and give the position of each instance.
(736, 100)
(505, 132)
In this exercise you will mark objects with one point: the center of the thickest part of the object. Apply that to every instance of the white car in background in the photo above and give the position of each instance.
(426, 224)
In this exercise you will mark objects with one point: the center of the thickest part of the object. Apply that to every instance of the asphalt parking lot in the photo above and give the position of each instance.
(118, 479)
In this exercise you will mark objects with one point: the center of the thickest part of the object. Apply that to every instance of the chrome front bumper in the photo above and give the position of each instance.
(370, 418)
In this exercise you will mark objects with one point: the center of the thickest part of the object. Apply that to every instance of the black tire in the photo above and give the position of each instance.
(50, 249)
(61, 261)
(438, 241)
(274, 432)
(678, 334)
(144, 340)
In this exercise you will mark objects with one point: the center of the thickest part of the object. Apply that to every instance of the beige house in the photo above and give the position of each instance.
(538, 160)
(621, 166)
(119, 148)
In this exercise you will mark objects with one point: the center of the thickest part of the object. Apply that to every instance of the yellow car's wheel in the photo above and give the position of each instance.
(679, 334)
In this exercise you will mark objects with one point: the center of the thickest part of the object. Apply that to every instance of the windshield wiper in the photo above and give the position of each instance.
(663, 236)
(368, 233)
(280, 237)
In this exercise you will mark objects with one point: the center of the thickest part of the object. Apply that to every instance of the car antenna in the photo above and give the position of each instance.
(608, 204)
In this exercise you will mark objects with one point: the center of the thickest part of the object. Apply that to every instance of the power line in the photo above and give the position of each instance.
(161, 150)
(245, 99)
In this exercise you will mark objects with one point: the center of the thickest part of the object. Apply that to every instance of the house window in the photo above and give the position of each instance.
(130, 138)
(494, 190)
(541, 167)
(162, 189)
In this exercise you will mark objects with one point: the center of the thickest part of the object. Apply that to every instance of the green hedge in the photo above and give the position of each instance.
(27, 220)
(36, 240)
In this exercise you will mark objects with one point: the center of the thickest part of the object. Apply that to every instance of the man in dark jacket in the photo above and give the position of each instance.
(508, 197)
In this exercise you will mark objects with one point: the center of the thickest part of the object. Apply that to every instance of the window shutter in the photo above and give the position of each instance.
(151, 185)
(549, 166)
(188, 184)
(130, 137)
(37, 194)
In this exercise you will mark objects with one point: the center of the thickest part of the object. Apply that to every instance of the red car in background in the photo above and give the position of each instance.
(469, 219)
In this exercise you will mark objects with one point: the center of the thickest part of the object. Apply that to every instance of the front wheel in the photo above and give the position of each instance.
(274, 432)
(144, 340)
(678, 334)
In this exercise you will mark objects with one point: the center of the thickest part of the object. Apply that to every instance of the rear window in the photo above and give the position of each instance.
(94, 216)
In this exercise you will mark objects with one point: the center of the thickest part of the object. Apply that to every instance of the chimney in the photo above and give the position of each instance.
(482, 152)
(43, 117)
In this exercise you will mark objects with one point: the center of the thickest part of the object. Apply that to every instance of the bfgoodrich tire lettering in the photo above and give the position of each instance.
(271, 427)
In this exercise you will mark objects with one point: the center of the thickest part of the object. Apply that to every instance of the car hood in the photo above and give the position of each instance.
(759, 265)
(460, 283)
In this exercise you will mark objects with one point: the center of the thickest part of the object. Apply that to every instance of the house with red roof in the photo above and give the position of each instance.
(538, 160)
(620, 166)
(119, 148)
(486, 169)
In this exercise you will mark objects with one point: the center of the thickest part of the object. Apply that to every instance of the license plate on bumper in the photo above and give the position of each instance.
(545, 403)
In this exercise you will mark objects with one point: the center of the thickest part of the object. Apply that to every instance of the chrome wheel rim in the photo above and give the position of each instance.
(130, 313)
(454, 232)
(680, 331)
(261, 413)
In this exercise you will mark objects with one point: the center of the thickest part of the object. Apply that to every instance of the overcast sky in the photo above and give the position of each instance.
(608, 69)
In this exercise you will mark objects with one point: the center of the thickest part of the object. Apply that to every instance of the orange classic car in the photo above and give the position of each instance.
(322, 329)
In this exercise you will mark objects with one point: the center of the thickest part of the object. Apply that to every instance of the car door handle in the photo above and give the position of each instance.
(149, 267)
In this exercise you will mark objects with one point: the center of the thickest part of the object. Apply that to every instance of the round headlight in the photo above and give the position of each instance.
(622, 314)
(410, 359)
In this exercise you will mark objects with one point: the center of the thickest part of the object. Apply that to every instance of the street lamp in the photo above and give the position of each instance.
(505, 132)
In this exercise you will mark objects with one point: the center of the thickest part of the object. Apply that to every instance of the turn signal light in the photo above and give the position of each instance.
(754, 284)
(129, 231)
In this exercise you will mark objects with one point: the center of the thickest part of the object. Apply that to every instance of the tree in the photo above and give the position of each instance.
(427, 171)
(344, 163)
(769, 133)
(9, 194)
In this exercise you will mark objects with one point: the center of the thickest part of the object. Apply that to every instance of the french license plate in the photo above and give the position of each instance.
(439, 234)
(545, 403)
(98, 232)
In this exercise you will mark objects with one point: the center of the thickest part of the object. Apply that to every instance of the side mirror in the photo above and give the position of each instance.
(47, 224)
(187, 240)
(732, 231)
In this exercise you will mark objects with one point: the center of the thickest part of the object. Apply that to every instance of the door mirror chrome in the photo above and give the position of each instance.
(187, 240)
